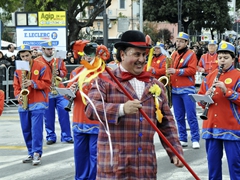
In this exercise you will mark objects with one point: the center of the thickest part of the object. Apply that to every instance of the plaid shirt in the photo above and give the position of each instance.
(131, 135)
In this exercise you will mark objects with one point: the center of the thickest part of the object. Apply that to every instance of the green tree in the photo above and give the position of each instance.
(209, 14)
(237, 4)
(74, 8)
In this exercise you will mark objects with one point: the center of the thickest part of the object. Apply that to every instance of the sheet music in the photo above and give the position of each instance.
(65, 91)
(60, 54)
(200, 97)
(22, 65)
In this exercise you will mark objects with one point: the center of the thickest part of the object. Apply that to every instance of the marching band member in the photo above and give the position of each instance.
(183, 82)
(208, 61)
(85, 131)
(222, 127)
(56, 101)
(158, 65)
(33, 105)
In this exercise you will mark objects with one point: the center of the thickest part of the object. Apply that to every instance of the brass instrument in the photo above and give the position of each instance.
(56, 80)
(69, 106)
(166, 81)
(205, 112)
(24, 92)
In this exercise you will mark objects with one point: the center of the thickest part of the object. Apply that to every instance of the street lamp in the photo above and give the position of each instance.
(179, 15)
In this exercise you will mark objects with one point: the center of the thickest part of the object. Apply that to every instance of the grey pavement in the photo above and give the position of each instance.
(58, 161)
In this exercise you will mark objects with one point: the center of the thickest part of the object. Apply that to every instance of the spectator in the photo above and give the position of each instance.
(11, 58)
(3, 61)
(72, 60)
(34, 53)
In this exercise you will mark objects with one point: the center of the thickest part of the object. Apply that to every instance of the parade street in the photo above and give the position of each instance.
(58, 162)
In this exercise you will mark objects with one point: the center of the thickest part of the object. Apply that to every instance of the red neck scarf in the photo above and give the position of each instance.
(144, 76)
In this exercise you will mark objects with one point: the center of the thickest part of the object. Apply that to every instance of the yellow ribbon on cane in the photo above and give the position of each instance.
(95, 69)
(155, 90)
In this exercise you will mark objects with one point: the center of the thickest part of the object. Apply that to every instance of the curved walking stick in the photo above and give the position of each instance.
(154, 127)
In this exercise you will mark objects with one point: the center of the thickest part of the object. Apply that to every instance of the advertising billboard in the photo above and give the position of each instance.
(52, 18)
(34, 36)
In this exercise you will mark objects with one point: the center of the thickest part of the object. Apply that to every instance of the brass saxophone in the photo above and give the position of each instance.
(24, 92)
(56, 80)
(166, 81)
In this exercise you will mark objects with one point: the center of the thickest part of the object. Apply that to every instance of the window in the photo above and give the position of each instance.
(122, 4)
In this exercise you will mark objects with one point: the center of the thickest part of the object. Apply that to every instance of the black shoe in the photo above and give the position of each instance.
(70, 141)
(50, 142)
(28, 159)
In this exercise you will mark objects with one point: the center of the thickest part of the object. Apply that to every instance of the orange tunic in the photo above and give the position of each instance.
(1, 101)
(79, 118)
(209, 62)
(40, 75)
(159, 65)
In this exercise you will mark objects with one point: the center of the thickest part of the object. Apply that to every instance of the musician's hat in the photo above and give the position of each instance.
(159, 44)
(214, 42)
(24, 47)
(47, 44)
(183, 35)
(133, 38)
(226, 46)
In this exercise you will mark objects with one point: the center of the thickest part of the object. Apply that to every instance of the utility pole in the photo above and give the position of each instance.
(105, 26)
(179, 15)
(141, 16)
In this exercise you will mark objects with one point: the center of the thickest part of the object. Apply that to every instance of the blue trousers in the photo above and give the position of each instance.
(182, 104)
(214, 149)
(85, 155)
(58, 102)
(32, 129)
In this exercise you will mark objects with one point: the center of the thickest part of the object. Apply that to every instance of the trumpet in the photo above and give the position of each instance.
(24, 92)
(56, 80)
(205, 112)
(69, 106)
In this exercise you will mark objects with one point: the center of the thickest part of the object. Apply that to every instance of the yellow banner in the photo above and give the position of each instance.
(52, 18)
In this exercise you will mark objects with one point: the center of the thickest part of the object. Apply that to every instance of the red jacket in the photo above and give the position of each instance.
(1, 101)
(60, 65)
(183, 81)
(79, 118)
(159, 65)
(40, 75)
(209, 62)
(224, 115)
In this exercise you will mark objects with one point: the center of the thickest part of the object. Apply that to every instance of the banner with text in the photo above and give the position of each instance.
(52, 18)
(35, 36)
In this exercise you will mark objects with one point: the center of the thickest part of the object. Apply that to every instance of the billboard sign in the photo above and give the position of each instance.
(34, 36)
(52, 18)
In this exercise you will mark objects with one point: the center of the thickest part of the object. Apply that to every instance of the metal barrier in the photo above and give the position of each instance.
(6, 83)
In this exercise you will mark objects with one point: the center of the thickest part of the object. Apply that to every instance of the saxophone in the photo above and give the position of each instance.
(166, 81)
(56, 80)
(24, 92)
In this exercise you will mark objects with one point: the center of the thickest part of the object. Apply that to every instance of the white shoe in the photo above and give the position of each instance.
(184, 144)
(195, 145)
(36, 159)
